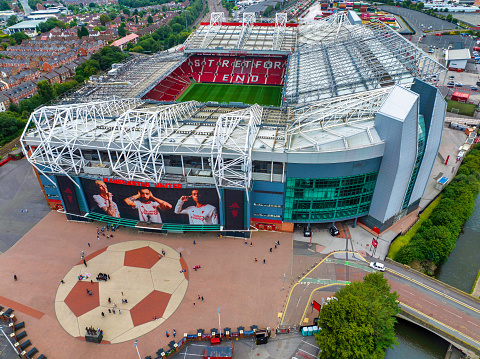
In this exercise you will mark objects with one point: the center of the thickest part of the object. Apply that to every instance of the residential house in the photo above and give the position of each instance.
(4, 102)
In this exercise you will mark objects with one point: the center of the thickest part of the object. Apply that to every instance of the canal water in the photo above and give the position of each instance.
(460, 272)
(415, 342)
(461, 268)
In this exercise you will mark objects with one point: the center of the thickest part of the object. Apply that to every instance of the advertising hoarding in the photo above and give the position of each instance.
(67, 189)
(165, 203)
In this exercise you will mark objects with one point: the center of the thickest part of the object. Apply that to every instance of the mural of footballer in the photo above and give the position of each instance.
(199, 213)
(148, 206)
(104, 200)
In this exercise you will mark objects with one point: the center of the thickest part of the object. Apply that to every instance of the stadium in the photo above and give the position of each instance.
(248, 126)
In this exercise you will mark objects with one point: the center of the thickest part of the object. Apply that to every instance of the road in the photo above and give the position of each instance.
(215, 6)
(26, 8)
(449, 310)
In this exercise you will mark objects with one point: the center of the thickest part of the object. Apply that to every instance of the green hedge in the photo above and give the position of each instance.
(437, 235)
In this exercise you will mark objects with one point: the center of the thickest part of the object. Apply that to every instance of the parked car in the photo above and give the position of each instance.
(478, 83)
(378, 266)
(451, 77)
(334, 231)
(458, 84)
(474, 88)
(451, 83)
(431, 51)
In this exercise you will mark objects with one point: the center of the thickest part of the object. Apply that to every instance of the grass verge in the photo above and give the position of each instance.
(405, 239)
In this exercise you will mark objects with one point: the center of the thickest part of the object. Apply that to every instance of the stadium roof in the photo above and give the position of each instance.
(246, 36)
(335, 58)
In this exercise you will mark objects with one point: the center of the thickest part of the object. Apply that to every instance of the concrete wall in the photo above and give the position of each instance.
(396, 123)
(433, 107)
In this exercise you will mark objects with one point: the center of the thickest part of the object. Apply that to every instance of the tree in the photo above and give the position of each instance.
(126, 12)
(122, 32)
(12, 20)
(19, 37)
(420, 6)
(73, 23)
(135, 12)
(150, 19)
(4, 6)
(82, 32)
(92, 5)
(104, 19)
(45, 91)
(360, 323)
(449, 17)
(8, 125)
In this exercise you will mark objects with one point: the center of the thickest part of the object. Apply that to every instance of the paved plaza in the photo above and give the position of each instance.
(248, 292)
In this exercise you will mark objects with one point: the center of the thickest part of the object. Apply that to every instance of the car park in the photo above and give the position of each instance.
(378, 266)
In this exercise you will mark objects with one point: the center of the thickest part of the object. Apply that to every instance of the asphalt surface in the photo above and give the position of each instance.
(20, 190)
(26, 8)
(283, 346)
(452, 311)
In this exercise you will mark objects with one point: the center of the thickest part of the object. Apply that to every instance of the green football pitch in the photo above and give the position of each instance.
(248, 94)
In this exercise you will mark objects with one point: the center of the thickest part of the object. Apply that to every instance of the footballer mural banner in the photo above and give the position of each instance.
(162, 203)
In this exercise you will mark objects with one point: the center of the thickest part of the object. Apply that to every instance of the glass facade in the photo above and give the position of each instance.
(418, 160)
(325, 199)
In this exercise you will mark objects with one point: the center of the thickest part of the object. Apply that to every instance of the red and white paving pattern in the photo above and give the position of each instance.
(154, 286)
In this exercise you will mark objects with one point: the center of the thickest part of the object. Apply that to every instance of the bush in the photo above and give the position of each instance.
(436, 237)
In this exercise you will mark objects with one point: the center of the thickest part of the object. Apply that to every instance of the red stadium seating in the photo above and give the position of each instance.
(255, 70)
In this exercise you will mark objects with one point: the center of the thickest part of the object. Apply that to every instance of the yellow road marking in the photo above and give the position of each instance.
(291, 290)
(435, 320)
(310, 298)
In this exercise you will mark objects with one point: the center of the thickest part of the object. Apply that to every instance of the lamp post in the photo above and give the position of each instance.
(283, 286)
(219, 326)
(136, 347)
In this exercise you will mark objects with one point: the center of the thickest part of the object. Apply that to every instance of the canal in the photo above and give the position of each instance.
(460, 272)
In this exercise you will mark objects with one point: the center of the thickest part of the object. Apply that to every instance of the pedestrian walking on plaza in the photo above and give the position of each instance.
(113, 310)
(98, 238)
(180, 254)
(109, 301)
(278, 242)
(88, 245)
(270, 250)
(115, 305)
(174, 332)
(255, 259)
(194, 242)
(108, 275)
(85, 263)
(202, 298)
(103, 314)
(166, 332)
(251, 244)
(91, 281)
(109, 311)
(194, 304)
(275, 246)
(83, 254)
(119, 311)
(15, 277)
(199, 297)
(107, 236)
(264, 261)
(61, 281)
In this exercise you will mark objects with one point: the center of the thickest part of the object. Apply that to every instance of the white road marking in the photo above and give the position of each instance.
(474, 324)
(452, 313)
(303, 341)
(428, 301)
